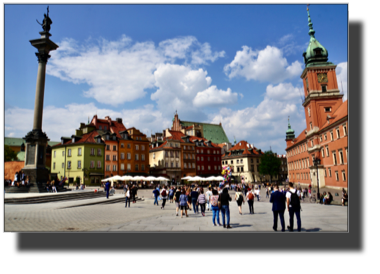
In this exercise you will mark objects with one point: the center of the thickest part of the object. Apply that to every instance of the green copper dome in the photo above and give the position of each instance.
(315, 53)
(290, 132)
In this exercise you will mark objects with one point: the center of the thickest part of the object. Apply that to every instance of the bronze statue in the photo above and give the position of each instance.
(46, 22)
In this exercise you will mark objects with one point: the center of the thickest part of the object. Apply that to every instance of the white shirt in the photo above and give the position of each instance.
(289, 195)
(257, 192)
(127, 194)
(208, 195)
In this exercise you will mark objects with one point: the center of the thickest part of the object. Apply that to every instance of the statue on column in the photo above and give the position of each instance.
(46, 22)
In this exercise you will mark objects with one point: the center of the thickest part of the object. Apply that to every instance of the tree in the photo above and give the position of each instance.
(269, 164)
(9, 154)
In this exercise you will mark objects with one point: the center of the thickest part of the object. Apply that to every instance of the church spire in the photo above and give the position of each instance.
(311, 30)
(290, 132)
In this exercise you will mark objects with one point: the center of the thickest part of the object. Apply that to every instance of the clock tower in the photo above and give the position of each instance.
(322, 95)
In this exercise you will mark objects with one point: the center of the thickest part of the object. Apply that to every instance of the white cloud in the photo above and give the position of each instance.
(188, 90)
(341, 75)
(267, 65)
(120, 71)
(19, 121)
(266, 123)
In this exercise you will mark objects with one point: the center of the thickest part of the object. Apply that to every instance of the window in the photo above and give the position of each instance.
(325, 136)
(327, 151)
(199, 167)
(166, 154)
(128, 145)
(107, 137)
(121, 166)
(320, 138)
(197, 158)
(325, 173)
(311, 125)
(92, 164)
(114, 157)
(122, 145)
(201, 158)
(341, 157)
(336, 176)
(142, 147)
(324, 88)
(329, 172)
(79, 164)
(63, 153)
(328, 109)
(114, 148)
(92, 152)
(54, 153)
(176, 164)
(184, 147)
(185, 165)
(323, 152)
(344, 130)
(203, 168)
(171, 153)
(176, 154)
(136, 157)
(172, 164)
(185, 156)
(113, 167)
(63, 165)
(137, 147)
(129, 156)
(337, 133)
(128, 166)
(214, 167)
(142, 167)
(99, 152)
(69, 152)
(100, 127)
(208, 159)
(142, 157)
(122, 156)
(346, 154)
(193, 156)
(79, 151)
(343, 175)
(209, 167)
(331, 135)
(193, 165)
(334, 157)
(197, 150)
(108, 147)
(201, 150)
(107, 167)
(218, 167)
(136, 167)
(54, 165)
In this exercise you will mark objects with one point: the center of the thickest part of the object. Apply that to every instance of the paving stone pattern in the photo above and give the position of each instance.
(145, 217)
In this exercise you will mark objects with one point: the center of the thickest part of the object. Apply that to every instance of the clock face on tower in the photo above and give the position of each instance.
(322, 77)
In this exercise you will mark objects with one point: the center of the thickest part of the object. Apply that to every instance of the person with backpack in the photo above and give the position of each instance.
(202, 201)
(250, 198)
(239, 198)
(214, 207)
(294, 207)
(164, 195)
(194, 198)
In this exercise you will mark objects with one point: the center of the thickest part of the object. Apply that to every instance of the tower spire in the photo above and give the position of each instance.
(311, 30)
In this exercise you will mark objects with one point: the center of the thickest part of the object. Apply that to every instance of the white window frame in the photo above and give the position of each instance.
(344, 175)
(79, 164)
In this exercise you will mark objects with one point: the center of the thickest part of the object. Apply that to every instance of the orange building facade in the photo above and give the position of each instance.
(319, 154)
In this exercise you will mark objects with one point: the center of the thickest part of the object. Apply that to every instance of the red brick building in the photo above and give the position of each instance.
(325, 137)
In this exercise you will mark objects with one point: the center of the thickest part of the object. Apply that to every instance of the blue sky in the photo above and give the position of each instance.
(235, 64)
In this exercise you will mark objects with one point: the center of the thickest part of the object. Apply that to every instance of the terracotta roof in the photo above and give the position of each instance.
(159, 147)
(299, 138)
(242, 145)
(189, 127)
(340, 113)
(86, 138)
(193, 138)
(117, 127)
(176, 135)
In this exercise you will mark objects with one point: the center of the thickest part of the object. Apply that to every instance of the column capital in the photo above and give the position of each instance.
(42, 57)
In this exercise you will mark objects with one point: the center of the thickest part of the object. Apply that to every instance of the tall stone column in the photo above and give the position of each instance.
(36, 140)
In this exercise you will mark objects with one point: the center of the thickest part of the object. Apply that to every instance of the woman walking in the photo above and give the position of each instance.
(188, 194)
(171, 194)
(250, 198)
(183, 203)
(176, 199)
(239, 199)
(214, 206)
(202, 201)
(127, 197)
(225, 199)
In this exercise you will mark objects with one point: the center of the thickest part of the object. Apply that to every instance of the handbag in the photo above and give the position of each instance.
(219, 204)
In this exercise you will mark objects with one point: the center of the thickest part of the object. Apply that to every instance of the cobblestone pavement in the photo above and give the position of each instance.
(144, 216)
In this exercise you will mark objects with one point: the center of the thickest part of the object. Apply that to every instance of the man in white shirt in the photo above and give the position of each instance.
(208, 195)
(257, 193)
(294, 207)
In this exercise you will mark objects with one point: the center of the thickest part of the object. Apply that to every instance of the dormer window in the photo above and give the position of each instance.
(73, 140)
(99, 140)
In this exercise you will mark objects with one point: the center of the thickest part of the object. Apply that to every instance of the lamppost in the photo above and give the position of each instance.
(317, 161)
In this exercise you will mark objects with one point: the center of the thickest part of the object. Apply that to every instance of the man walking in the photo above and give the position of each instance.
(278, 207)
(164, 195)
(250, 197)
(294, 207)
(107, 188)
(156, 193)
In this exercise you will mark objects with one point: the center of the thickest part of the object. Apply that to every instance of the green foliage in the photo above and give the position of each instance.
(9, 154)
(269, 164)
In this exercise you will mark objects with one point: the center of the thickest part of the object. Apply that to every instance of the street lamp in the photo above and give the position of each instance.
(317, 161)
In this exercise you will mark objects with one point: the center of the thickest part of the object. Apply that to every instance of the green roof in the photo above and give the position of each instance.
(10, 141)
(212, 132)
(21, 155)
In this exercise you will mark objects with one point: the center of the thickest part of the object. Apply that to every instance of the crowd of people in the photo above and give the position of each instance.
(20, 179)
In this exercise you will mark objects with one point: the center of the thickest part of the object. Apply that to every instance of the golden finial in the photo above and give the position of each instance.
(307, 7)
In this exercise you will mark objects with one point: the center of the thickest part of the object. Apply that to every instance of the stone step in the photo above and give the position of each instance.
(54, 198)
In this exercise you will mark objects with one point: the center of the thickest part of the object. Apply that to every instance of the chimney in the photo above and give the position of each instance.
(119, 120)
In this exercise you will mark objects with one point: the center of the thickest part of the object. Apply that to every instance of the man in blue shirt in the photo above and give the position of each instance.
(156, 193)
(107, 188)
